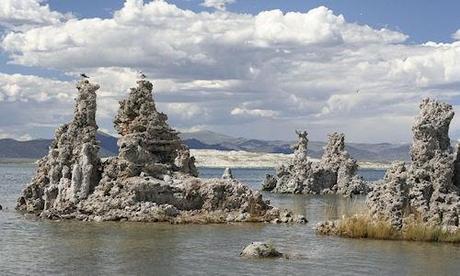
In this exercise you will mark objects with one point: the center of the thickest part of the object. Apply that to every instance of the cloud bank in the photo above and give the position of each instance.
(257, 75)
(23, 14)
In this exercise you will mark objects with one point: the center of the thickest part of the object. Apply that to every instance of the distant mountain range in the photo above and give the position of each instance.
(382, 152)
(34, 149)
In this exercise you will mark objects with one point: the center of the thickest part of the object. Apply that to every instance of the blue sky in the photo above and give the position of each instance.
(422, 20)
(241, 68)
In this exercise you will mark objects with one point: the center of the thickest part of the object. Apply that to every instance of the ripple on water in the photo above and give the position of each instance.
(34, 246)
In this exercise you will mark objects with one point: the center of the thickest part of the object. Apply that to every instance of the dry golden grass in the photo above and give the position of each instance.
(363, 226)
(417, 231)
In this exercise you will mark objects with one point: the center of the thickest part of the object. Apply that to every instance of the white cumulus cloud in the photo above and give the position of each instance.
(264, 74)
(456, 35)
(20, 14)
(217, 4)
(254, 112)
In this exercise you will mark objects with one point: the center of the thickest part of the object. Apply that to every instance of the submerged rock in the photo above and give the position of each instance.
(260, 250)
(153, 178)
(427, 188)
(334, 173)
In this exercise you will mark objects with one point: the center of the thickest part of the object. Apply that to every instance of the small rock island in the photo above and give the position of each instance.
(153, 178)
(261, 250)
(335, 173)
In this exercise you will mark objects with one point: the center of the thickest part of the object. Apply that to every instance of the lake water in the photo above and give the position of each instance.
(33, 246)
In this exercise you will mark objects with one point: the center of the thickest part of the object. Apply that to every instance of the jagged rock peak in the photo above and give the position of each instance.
(334, 173)
(147, 143)
(431, 130)
(71, 169)
(429, 191)
(335, 147)
(301, 146)
(138, 111)
(227, 174)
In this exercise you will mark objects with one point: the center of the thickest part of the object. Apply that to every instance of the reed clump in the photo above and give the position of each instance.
(363, 226)
(417, 231)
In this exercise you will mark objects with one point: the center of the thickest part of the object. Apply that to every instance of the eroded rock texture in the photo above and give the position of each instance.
(72, 168)
(153, 178)
(334, 173)
(147, 143)
(427, 189)
(260, 250)
(227, 174)
(390, 197)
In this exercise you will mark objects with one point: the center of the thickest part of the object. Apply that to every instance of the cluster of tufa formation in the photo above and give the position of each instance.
(334, 173)
(153, 178)
(428, 189)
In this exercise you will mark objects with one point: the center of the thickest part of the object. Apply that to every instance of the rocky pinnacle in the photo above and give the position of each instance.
(71, 170)
(334, 173)
(427, 189)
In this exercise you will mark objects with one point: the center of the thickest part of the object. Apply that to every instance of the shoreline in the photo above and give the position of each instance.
(18, 160)
(244, 159)
(232, 159)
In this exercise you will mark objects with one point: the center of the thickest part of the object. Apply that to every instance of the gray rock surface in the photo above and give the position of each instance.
(227, 174)
(260, 250)
(147, 144)
(153, 178)
(426, 189)
(72, 168)
(389, 198)
(334, 173)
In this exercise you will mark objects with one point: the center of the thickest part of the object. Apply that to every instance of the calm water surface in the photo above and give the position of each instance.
(33, 246)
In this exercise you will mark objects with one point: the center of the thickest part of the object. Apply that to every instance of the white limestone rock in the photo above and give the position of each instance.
(227, 174)
(334, 173)
(427, 188)
(72, 168)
